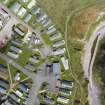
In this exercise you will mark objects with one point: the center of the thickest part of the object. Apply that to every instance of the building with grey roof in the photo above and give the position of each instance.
(59, 43)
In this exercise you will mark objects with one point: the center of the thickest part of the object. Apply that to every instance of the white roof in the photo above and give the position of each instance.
(31, 4)
(59, 51)
(59, 43)
(65, 63)
(22, 12)
(20, 94)
(12, 55)
(25, 1)
(63, 100)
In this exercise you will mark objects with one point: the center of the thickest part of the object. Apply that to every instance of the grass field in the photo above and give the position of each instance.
(59, 10)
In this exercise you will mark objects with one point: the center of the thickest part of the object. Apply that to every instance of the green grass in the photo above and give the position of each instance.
(14, 71)
(24, 56)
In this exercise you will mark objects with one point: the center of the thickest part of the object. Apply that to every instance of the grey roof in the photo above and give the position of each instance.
(15, 49)
(17, 42)
(56, 68)
(27, 17)
(14, 97)
(4, 84)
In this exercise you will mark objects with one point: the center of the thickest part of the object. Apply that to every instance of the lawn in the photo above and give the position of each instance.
(24, 56)
(60, 10)
(14, 71)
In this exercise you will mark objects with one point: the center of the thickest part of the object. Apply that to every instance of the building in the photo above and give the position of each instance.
(59, 51)
(55, 36)
(64, 91)
(63, 100)
(65, 63)
(59, 43)
(22, 11)
(15, 97)
(17, 76)
(56, 68)
(4, 13)
(3, 90)
(17, 42)
(34, 59)
(27, 17)
(23, 88)
(36, 10)
(20, 29)
(19, 93)
(13, 55)
(15, 7)
(65, 84)
(4, 84)
(46, 22)
(25, 1)
(51, 29)
(31, 4)
(41, 16)
(15, 49)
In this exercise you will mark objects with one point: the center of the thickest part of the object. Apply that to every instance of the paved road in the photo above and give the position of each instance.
(94, 91)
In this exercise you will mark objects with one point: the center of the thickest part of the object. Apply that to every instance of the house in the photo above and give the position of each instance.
(25, 1)
(36, 10)
(59, 51)
(24, 88)
(55, 36)
(64, 91)
(56, 68)
(17, 76)
(31, 4)
(15, 49)
(12, 101)
(65, 63)
(5, 2)
(48, 100)
(22, 11)
(34, 59)
(15, 7)
(3, 90)
(66, 84)
(41, 16)
(51, 29)
(17, 42)
(46, 22)
(4, 13)
(20, 29)
(38, 41)
(4, 84)
(15, 97)
(19, 93)
(13, 55)
(30, 67)
(27, 17)
(7, 102)
(62, 99)
(59, 43)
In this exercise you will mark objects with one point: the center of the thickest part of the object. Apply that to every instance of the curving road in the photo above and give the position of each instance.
(88, 62)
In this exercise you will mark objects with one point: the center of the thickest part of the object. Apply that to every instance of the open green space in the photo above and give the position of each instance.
(14, 71)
